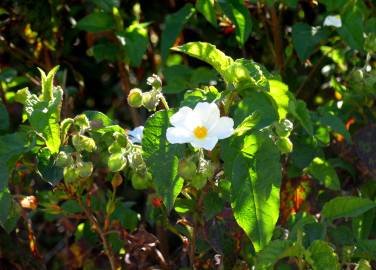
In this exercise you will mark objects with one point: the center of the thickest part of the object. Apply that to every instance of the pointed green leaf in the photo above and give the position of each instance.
(162, 158)
(96, 22)
(255, 184)
(346, 207)
(173, 26)
(322, 256)
(47, 83)
(208, 53)
(206, 8)
(324, 173)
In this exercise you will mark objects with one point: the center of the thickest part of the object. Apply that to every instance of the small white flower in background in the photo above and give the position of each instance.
(135, 135)
(202, 127)
(333, 21)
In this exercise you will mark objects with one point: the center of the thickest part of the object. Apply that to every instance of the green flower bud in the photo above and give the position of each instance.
(70, 174)
(85, 169)
(63, 159)
(357, 75)
(135, 98)
(284, 145)
(206, 168)
(155, 82)
(81, 143)
(114, 148)
(139, 181)
(136, 162)
(199, 181)
(82, 121)
(187, 169)
(116, 162)
(284, 128)
(150, 100)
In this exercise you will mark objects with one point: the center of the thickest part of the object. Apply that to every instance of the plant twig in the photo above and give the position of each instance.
(102, 234)
(277, 37)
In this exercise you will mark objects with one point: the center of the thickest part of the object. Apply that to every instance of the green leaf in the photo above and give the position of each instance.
(305, 38)
(45, 118)
(11, 148)
(213, 204)
(260, 102)
(334, 5)
(192, 97)
(4, 117)
(47, 167)
(335, 123)
(352, 27)
(173, 26)
(136, 42)
(323, 171)
(162, 158)
(105, 50)
(100, 117)
(275, 251)
(96, 22)
(255, 184)
(206, 8)
(241, 17)
(302, 114)
(366, 249)
(282, 96)
(208, 53)
(106, 5)
(47, 83)
(5, 205)
(322, 256)
(363, 225)
(346, 207)
(247, 125)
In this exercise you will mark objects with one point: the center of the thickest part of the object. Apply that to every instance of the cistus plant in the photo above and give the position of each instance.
(260, 155)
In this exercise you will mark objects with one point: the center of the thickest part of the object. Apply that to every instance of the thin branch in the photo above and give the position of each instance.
(277, 37)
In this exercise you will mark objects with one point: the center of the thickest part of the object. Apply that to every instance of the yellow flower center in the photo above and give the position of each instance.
(200, 132)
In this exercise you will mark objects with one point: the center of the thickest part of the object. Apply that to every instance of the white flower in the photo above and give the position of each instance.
(135, 135)
(333, 21)
(202, 127)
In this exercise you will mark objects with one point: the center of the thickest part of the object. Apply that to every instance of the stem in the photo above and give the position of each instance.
(107, 248)
(277, 37)
(164, 102)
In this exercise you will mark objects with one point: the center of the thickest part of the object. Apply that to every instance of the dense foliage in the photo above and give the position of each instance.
(258, 147)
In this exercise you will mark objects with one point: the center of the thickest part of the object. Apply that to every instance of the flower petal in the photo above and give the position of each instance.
(223, 128)
(178, 135)
(135, 135)
(185, 118)
(208, 143)
(208, 113)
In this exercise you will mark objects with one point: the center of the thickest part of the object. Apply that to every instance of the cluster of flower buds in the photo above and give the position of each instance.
(283, 130)
(150, 99)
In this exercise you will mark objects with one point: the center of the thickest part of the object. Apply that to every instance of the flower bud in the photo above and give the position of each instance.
(155, 82)
(135, 98)
(70, 174)
(284, 128)
(150, 100)
(63, 159)
(199, 181)
(284, 145)
(81, 143)
(139, 182)
(116, 162)
(136, 161)
(187, 169)
(117, 180)
(85, 169)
